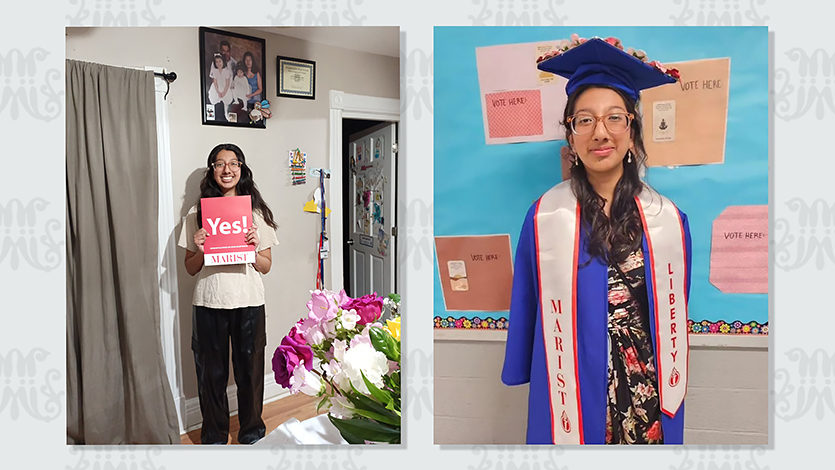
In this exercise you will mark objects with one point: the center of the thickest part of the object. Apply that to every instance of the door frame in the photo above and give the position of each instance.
(349, 106)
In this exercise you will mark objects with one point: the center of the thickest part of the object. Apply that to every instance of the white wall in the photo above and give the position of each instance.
(295, 123)
(726, 403)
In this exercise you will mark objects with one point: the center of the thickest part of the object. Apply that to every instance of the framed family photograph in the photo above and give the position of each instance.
(296, 78)
(232, 78)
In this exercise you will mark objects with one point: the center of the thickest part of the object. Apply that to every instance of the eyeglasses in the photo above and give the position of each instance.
(233, 165)
(584, 123)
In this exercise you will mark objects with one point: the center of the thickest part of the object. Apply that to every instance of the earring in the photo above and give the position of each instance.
(629, 156)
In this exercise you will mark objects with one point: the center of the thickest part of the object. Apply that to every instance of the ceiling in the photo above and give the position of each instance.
(383, 40)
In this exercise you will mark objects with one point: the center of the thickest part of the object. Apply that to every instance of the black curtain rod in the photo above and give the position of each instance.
(168, 77)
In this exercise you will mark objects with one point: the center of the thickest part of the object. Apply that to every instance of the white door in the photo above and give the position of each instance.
(373, 200)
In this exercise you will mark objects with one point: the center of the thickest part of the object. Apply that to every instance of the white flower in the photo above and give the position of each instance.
(350, 319)
(306, 382)
(339, 348)
(341, 408)
(333, 371)
(362, 358)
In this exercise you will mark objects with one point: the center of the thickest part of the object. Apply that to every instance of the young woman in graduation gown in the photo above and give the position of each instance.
(598, 317)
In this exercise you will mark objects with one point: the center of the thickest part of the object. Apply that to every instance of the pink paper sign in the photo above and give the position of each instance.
(514, 113)
(739, 250)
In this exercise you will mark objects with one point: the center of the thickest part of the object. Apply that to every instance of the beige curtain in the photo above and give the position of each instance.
(117, 389)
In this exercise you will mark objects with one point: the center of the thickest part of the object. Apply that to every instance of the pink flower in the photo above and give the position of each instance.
(322, 306)
(341, 297)
(296, 336)
(362, 338)
(658, 65)
(369, 307)
(300, 349)
(289, 355)
(575, 38)
(613, 41)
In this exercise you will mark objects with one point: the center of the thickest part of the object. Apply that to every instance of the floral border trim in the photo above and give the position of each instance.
(727, 328)
(475, 323)
(703, 327)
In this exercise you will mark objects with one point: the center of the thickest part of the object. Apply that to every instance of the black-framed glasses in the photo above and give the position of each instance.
(233, 165)
(585, 123)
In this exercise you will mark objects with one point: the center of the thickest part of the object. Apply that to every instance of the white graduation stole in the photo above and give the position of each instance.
(557, 221)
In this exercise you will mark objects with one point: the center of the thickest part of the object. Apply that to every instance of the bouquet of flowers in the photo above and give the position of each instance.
(342, 353)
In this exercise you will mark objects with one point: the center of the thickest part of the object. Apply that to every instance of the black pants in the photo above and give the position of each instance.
(211, 331)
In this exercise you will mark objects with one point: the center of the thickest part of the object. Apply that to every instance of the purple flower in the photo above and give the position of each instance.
(292, 352)
(368, 307)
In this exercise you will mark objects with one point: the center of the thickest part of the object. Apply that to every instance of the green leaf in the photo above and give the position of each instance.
(363, 402)
(381, 395)
(383, 342)
(366, 430)
(352, 439)
(388, 419)
(322, 403)
(395, 297)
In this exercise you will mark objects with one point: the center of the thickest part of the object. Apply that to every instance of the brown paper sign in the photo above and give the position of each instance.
(476, 272)
(685, 123)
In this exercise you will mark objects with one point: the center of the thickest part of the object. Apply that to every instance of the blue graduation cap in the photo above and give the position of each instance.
(596, 62)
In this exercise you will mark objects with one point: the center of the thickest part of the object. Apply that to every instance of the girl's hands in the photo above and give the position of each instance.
(252, 237)
(200, 239)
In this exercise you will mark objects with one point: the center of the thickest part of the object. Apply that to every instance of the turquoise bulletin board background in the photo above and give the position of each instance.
(486, 190)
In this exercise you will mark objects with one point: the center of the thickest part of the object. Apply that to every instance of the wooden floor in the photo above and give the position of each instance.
(298, 406)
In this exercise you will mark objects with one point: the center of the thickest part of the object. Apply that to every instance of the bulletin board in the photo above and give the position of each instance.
(484, 185)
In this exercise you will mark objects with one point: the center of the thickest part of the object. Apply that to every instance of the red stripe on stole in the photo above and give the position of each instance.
(655, 303)
(542, 312)
(686, 299)
(574, 322)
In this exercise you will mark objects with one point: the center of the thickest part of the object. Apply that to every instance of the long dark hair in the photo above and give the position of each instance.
(245, 187)
(254, 68)
(623, 229)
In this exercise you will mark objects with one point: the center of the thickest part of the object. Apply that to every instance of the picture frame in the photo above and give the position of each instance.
(228, 105)
(295, 78)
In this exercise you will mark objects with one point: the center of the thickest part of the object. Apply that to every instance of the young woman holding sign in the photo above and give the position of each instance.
(229, 303)
(598, 316)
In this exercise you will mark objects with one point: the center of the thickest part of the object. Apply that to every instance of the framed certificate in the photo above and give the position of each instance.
(296, 78)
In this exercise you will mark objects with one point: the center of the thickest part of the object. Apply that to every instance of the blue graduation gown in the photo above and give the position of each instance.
(525, 350)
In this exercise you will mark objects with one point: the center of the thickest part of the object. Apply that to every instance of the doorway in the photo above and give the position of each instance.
(361, 116)
(350, 127)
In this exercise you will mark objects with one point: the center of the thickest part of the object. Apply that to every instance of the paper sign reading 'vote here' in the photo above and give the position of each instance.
(739, 250)
(514, 113)
(227, 219)
(476, 272)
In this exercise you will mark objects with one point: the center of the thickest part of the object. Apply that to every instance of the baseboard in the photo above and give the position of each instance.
(179, 407)
(272, 392)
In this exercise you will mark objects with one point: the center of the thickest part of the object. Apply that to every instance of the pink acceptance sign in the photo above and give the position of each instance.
(514, 113)
(227, 219)
(739, 250)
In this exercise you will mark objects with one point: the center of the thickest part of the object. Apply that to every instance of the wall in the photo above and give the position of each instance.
(295, 123)
(726, 403)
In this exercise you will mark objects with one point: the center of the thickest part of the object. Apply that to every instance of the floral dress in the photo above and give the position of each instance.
(634, 412)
